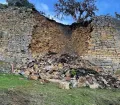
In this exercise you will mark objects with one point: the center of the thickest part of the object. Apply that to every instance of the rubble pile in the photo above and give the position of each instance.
(68, 71)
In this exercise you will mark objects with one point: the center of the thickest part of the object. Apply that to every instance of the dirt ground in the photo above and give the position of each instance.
(12, 97)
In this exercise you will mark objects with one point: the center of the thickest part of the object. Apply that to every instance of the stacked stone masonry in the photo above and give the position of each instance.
(16, 25)
(24, 33)
(104, 44)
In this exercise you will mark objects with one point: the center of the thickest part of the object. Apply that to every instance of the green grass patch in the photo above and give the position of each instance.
(50, 94)
(12, 81)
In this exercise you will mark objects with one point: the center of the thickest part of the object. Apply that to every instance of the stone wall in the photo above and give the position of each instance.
(47, 36)
(104, 44)
(51, 36)
(25, 34)
(16, 26)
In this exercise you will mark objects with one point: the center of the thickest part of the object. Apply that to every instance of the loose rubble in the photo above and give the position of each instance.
(69, 71)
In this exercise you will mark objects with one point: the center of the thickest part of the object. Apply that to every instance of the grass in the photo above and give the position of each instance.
(50, 94)
(12, 81)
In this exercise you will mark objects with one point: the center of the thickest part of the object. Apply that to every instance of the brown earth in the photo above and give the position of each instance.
(14, 98)
(49, 35)
(17, 97)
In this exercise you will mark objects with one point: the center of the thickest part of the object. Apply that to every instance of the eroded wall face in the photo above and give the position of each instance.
(47, 36)
(16, 27)
(104, 44)
(50, 36)
(25, 34)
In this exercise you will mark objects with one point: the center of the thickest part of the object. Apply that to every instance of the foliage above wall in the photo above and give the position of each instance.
(78, 10)
(117, 15)
(20, 3)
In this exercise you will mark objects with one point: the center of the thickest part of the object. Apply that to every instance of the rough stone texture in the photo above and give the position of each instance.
(69, 71)
(80, 37)
(104, 44)
(16, 25)
(24, 34)
(47, 36)
(5, 67)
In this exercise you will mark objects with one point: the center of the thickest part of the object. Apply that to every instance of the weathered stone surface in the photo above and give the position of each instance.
(104, 46)
(5, 67)
(64, 85)
(82, 74)
(94, 86)
(16, 25)
(26, 35)
(82, 82)
(33, 77)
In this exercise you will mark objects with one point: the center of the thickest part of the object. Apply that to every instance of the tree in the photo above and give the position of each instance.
(20, 3)
(79, 10)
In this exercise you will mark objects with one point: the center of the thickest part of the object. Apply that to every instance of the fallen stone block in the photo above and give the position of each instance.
(33, 77)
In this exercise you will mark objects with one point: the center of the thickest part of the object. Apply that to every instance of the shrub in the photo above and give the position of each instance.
(20, 3)
(3, 6)
(117, 15)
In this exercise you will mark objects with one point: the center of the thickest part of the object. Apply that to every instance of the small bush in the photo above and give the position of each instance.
(117, 15)
(73, 72)
(3, 6)
(20, 3)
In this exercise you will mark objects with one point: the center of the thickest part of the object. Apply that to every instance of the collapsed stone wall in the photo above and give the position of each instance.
(47, 36)
(51, 36)
(104, 44)
(25, 34)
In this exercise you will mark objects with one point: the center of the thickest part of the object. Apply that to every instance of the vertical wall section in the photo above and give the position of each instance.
(24, 33)
(16, 25)
(104, 44)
